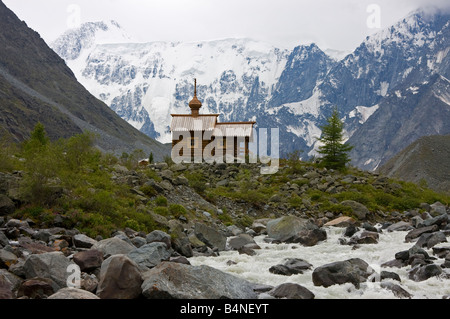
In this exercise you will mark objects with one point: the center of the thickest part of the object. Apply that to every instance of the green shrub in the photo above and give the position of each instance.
(177, 210)
(295, 201)
(148, 190)
(161, 201)
(131, 223)
(163, 211)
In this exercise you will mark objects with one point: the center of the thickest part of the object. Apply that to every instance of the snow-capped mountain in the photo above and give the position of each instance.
(145, 83)
(244, 79)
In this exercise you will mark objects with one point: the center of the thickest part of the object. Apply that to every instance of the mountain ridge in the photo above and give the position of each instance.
(36, 81)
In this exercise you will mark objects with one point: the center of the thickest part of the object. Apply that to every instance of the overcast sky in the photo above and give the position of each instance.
(336, 24)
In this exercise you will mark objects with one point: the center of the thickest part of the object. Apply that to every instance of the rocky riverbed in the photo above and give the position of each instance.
(287, 257)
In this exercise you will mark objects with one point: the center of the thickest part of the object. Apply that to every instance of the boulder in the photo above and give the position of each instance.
(150, 255)
(83, 241)
(437, 209)
(120, 278)
(350, 230)
(431, 239)
(7, 258)
(180, 281)
(415, 233)
(73, 293)
(159, 236)
(293, 229)
(309, 237)
(389, 275)
(5, 289)
(181, 180)
(113, 246)
(210, 236)
(424, 272)
(3, 239)
(246, 250)
(178, 167)
(343, 221)
(353, 270)
(52, 265)
(36, 288)
(7, 206)
(399, 226)
(398, 291)
(239, 241)
(438, 220)
(358, 209)
(364, 237)
(88, 260)
(291, 291)
(291, 266)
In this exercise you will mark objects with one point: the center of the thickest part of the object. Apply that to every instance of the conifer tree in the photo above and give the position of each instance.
(334, 152)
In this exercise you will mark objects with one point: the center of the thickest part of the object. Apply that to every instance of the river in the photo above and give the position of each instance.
(256, 268)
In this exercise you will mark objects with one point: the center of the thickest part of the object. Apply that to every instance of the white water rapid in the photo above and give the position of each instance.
(256, 268)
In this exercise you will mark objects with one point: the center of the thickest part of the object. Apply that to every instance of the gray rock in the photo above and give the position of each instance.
(234, 230)
(359, 210)
(180, 180)
(10, 278)
(291, 266)
(389, 275)
(287, 227)
(3, 239)
(364, 237)
(166, 175)
(161, 165)
(73, 293)
(7, 258)
(415, 233)
(83, 241)
(166, 185)
(7, 206)
(178, 167)
(138, 241)
(424, 272)
(398, 291)
(120, 278)
(210, 236)
(150, 255)
(17, 223)
(52, 265)
(353, 270)
(438, 209)
(309, 237)
(399, 226)
(113, 246)
(223, 182)
(6, 288)
(438, 220)
(179, 281)
(159, 236)
(240, 241)
(431, 239)
(291, 291)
